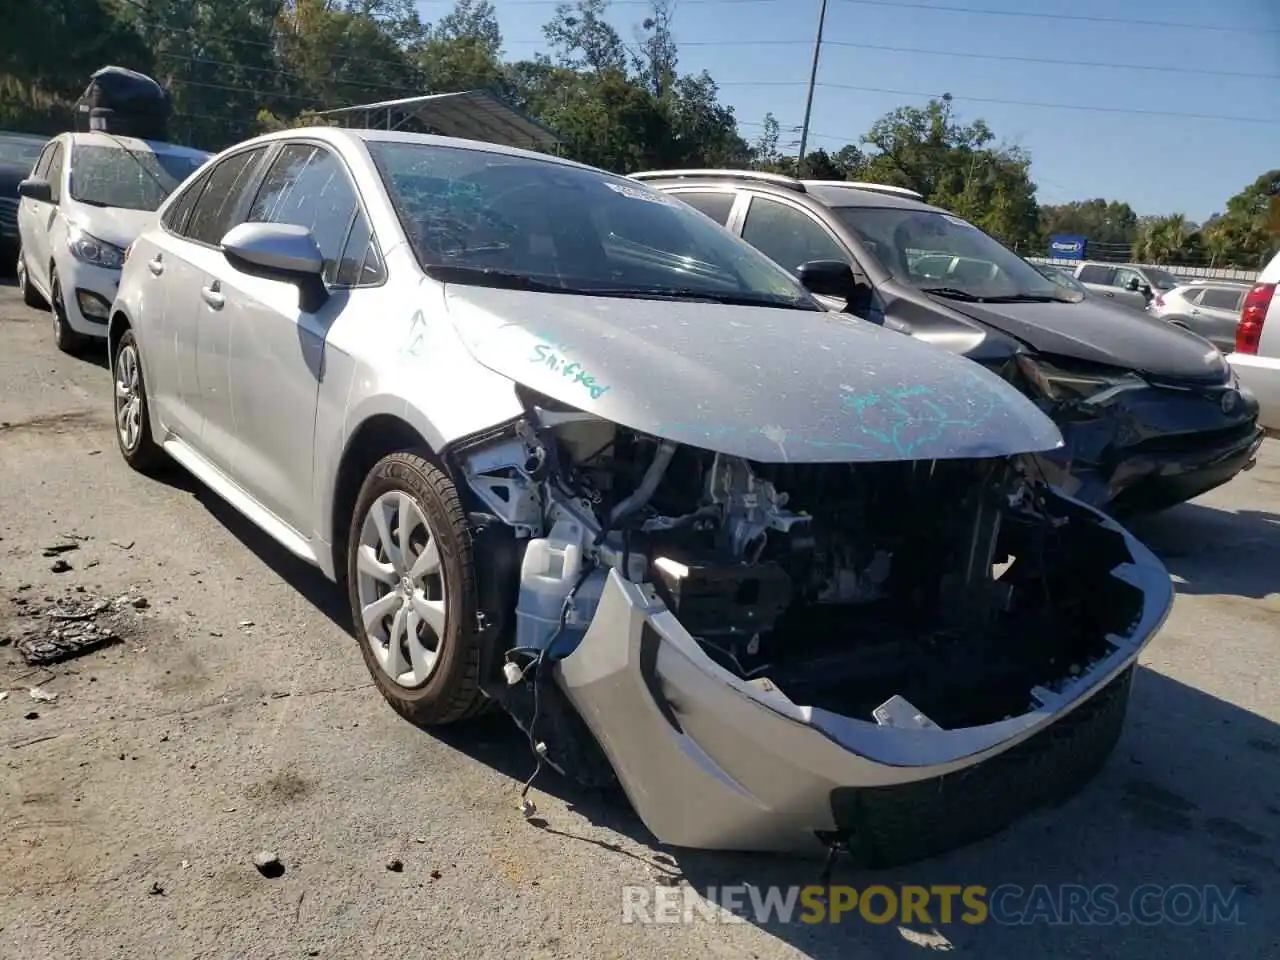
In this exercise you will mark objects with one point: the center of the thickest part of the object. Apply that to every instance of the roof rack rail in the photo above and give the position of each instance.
(868, 186)
(791, 183)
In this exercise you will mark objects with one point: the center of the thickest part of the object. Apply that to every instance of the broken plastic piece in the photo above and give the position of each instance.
(898, 711)
(512, 672)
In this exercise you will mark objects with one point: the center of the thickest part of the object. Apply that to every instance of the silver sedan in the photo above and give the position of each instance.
(572, 449)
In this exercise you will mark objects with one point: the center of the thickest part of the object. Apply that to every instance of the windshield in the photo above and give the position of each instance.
(938, 252)
(485, 217)
(133, 179)
(23, 151)
(1159, 279)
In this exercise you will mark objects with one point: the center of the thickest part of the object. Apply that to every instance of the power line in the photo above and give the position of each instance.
(943, 8)
(1181, 114)
(1251, 75)
(1075, 17)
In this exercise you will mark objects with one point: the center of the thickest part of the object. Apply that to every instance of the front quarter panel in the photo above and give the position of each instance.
(406, 361)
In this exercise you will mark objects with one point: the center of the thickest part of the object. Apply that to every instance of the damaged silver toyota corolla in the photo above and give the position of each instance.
(791, 581)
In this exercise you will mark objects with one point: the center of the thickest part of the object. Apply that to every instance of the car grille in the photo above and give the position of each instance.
(912, 821)
(8, 217)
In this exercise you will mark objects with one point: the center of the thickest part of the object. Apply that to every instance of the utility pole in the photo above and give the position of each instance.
(813, 77)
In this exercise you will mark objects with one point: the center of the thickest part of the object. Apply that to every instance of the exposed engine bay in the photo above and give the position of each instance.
(935, 594)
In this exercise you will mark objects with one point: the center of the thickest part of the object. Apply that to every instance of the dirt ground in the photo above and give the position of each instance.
(234, 716)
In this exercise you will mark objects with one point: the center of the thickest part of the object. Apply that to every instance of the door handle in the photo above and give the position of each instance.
(156, 265)
(212, 296)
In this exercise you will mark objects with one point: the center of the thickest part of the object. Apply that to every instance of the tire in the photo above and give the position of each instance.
(30, 296)
(451, 690)
(66, 339)
(138, 447)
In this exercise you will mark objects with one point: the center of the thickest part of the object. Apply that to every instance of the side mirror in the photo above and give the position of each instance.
(835, 278)
(1146, 290)
(828, 278)
(279, 251)
(36, 189)
(1133, 284)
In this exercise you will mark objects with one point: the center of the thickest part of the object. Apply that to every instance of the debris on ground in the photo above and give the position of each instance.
(269, 865)
(122, 544)
(435, 874)
(4, 694)
(58, 549)
(156, 889)
(71, 627)
(59, 566)
(395, 865)
(43, 696)
(32, 715)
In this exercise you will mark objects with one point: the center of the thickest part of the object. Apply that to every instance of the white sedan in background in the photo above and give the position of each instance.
(87, 198)
(1256, 358)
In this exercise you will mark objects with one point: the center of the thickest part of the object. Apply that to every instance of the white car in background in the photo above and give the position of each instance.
(88, 197)
(1256, 358)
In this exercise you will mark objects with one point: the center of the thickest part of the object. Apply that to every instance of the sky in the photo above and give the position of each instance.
(1171, 119)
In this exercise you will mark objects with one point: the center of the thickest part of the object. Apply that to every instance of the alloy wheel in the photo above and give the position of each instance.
(128, 397)
(401, 589)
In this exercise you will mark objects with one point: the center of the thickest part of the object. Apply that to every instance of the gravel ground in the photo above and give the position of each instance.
(235, 716)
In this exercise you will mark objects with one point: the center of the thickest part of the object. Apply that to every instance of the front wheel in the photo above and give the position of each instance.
(30, 296)
(411, 582)
(66, 339)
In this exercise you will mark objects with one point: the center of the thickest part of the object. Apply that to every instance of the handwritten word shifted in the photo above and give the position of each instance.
(550, 356)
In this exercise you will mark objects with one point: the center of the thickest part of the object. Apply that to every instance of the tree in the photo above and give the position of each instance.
(1107, 223)
(582, 39)
(764, 151)
(464, 51)
(1162, 239)
(656, 63)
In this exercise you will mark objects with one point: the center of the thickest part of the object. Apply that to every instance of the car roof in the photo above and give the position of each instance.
(339, 135)
(95, 138)
(831, 193)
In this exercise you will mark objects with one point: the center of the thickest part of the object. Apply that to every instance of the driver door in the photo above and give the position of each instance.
(789, 235)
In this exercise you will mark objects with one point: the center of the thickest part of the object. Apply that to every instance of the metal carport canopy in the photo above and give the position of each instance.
(469, 114)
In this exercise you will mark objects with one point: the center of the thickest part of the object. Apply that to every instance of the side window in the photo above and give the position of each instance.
(788, 236)
(1221, 298)
(360, 262)
(1096, 273)
(211, 215)
(308, 186)
(1193, 295)
(716, 205)
(41, 170)
(1125, 277)
(175, 216)
(54, 176)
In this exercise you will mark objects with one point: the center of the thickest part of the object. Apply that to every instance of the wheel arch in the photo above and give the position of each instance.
(377, 436)
(116, 327)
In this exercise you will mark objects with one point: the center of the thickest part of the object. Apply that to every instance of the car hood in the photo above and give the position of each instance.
(112, 224)
(1103, 333)
(771, 385)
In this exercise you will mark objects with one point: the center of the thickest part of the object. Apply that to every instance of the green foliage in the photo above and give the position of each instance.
(236, 68)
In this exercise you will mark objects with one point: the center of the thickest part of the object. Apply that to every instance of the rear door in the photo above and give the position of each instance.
(154, 323)
(200, 400)
(1216, 315)
(716, 204)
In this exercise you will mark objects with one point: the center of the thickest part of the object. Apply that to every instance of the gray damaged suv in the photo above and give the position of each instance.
(1151, 414)
(574, 450)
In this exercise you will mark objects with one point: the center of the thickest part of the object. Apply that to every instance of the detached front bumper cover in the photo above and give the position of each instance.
(709, 760)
